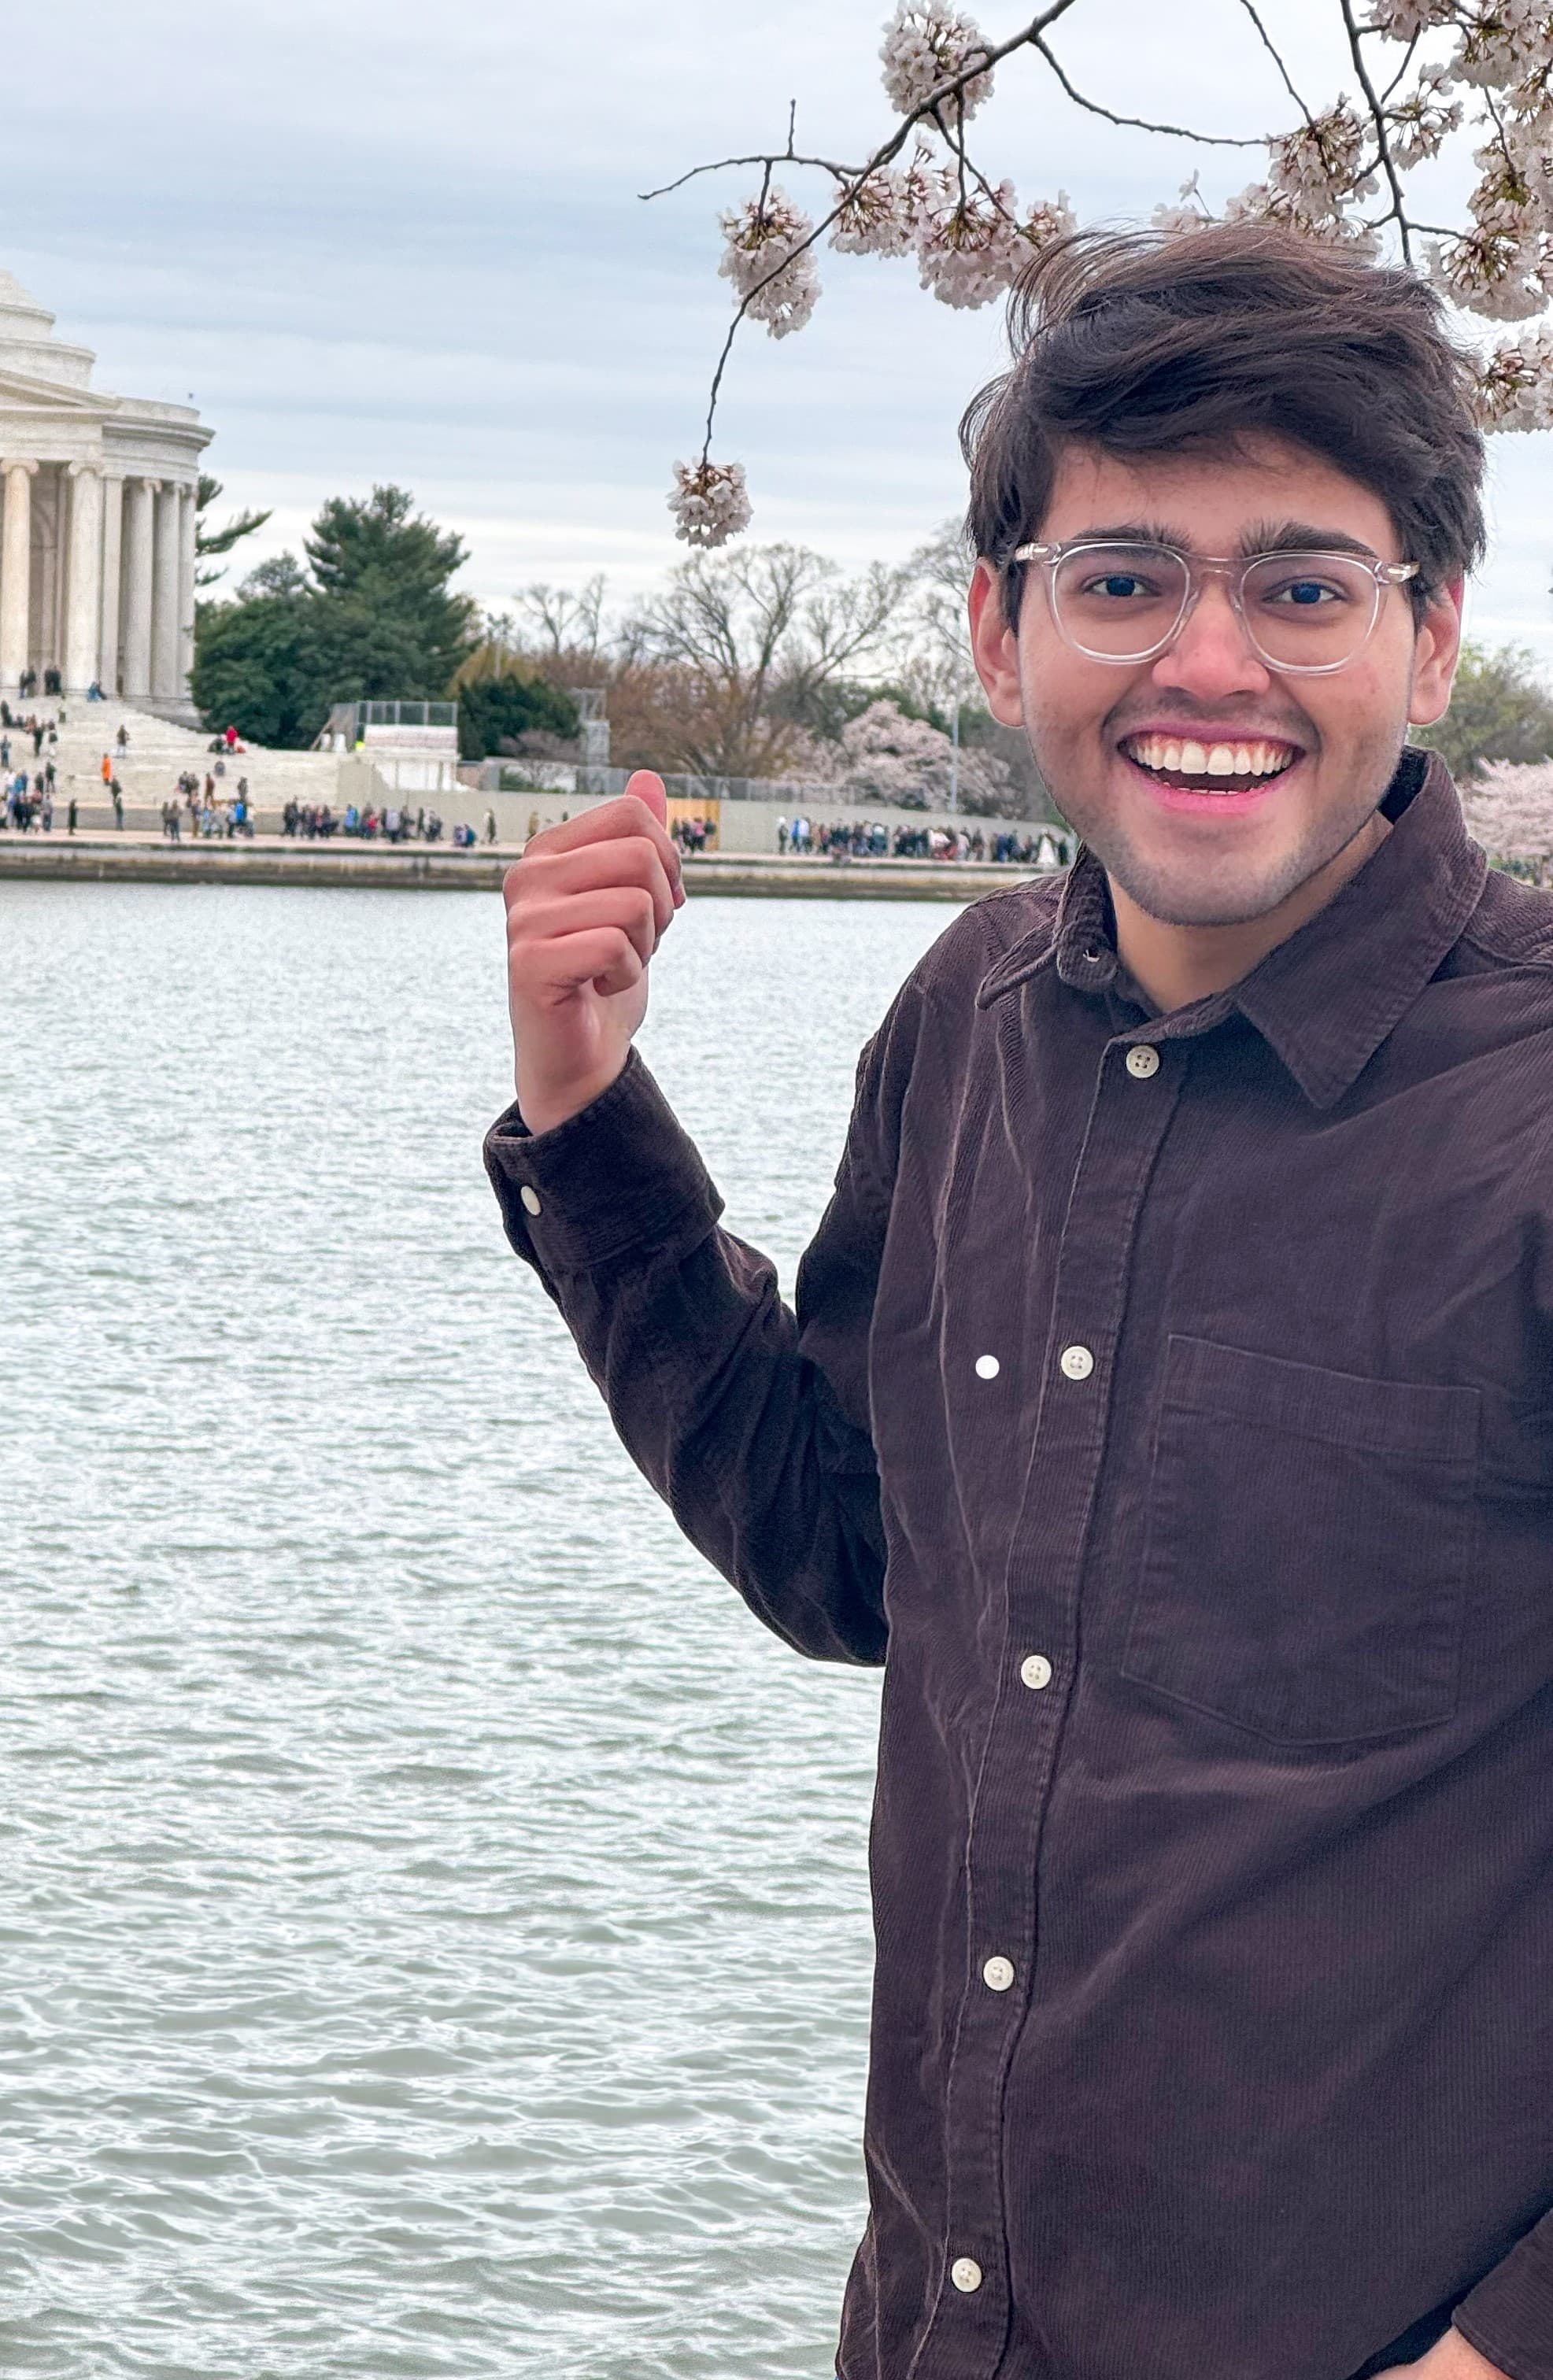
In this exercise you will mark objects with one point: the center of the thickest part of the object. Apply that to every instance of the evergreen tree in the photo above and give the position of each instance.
(370, 618)
(496, 710)
(387, 625)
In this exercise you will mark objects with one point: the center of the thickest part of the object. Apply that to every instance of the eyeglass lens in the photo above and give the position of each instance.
(1301, 611)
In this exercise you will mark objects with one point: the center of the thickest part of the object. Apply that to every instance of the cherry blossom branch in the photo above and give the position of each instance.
(1378, 115)
(970, 236)
(939, 96)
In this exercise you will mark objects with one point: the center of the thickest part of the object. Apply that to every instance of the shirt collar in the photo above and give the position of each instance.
(1326, 999)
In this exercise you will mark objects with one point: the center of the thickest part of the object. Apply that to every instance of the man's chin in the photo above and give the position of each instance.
(1175, 893)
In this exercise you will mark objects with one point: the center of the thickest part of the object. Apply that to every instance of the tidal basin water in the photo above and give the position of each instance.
(433, 1932)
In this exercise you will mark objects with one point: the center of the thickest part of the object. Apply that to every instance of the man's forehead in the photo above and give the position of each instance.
(1262, 492)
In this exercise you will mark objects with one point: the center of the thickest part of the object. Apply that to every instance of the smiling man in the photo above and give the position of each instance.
(1168, 1402)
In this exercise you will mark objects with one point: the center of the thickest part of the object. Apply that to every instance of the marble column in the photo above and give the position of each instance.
(186, 501)
(16, 575)
(84, 581)
(139, 495)
(113, 564)
(165, 634)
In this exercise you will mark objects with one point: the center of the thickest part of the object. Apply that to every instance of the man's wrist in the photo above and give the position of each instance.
(546, 1110)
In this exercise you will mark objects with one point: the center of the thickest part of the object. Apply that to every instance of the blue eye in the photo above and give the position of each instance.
(1310, 594)
(1121, 584)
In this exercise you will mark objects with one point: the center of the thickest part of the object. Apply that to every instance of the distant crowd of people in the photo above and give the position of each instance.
(213, 813)
(871, 839)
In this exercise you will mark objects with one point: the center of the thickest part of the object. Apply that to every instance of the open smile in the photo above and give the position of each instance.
(1220, 774)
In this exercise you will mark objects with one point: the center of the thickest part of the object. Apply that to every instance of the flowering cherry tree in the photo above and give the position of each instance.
(1427, 74)
(1508, 807)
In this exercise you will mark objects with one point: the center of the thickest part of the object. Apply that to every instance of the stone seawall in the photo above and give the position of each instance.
(128, 859)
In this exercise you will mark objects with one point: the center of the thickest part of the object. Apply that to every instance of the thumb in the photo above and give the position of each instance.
(651, 790)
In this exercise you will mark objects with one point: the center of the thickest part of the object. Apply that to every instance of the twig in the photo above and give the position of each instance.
(1402, 71)
(1267, 44)
(1378, 115)
(767, 157)
(1139, 123)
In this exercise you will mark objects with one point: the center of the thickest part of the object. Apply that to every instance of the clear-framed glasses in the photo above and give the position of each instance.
(1303, 612)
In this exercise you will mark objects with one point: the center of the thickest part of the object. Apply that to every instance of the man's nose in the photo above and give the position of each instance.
(1211, 656)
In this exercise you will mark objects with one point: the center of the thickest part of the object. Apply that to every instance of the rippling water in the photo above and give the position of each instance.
(434, 1933)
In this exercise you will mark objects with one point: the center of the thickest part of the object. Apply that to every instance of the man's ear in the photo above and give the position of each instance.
(995, 648)
(1436, 650)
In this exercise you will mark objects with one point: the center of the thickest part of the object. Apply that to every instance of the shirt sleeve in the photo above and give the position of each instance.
(750, 1419)
(1509, 2316)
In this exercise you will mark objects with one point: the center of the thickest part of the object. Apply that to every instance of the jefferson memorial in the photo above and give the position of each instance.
(97, 524)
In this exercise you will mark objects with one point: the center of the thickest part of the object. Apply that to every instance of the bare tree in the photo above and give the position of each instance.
(565, 619)
(751, 637)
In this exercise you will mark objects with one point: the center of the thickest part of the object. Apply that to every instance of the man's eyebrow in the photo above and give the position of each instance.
(1302, 537)
(1260, 536)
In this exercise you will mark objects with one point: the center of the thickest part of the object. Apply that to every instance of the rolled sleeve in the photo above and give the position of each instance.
(619, 1180)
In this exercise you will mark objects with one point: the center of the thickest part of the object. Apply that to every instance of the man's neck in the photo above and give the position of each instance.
(1173, 966)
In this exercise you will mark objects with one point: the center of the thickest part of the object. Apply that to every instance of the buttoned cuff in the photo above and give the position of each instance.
(1509, 2316)
(620, 1180)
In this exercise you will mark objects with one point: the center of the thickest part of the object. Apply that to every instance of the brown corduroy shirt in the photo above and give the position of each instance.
(1213, 1847)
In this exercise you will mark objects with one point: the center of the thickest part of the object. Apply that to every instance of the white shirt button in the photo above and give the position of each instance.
(998, 1974)
(965, 2273)
(1036, 1670)
(1142, 1061)
(1078, 1363)
(530, 1197)
(986, 1367)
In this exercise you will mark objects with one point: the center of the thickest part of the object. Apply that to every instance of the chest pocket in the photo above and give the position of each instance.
(1309, 1541)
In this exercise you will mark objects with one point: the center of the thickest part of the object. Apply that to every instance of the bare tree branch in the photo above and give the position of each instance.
(1267, 44)
(1139, 123)
(1378, 115)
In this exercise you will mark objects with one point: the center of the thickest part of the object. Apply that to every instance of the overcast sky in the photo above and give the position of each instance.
(376, 241)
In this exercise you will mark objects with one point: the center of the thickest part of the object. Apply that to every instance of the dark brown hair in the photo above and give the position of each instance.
(1146, 343)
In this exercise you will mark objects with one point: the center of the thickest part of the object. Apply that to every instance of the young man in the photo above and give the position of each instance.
(1206, 1193)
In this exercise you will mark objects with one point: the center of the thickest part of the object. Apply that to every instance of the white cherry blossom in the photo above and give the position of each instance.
(1419, 124)
(1321, 164)
(970, 247)
(774, 273)
(1501, 41)
(1189, 212)
(1404, 20)
(878, 217)
(710, 503)
(925, 43)
(1515, 382)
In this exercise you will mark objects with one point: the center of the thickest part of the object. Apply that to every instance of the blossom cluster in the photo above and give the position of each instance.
(710, 503)
(769, 261)
(927, 44)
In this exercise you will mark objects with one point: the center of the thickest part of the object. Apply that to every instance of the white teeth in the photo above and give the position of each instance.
(1188, 759)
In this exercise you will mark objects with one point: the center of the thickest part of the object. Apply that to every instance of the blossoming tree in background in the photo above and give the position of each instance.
(1427, 75)
(1508, 807)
